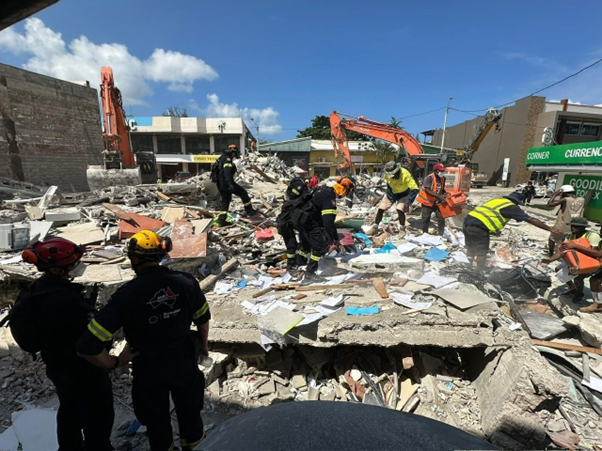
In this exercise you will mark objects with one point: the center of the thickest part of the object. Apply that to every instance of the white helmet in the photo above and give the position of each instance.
(567, 189)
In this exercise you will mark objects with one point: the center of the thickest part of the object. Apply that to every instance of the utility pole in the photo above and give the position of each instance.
(444, 123)
(256, 128)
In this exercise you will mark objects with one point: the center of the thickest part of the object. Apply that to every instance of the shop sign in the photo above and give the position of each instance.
(566, 154)
(204, 158)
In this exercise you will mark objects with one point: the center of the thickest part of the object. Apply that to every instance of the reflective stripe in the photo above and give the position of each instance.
(302, 254)
(290, 255)
(489, 214)
(172, 447)
(315, 258)
(295, 191)
(190, 445)
(228, 165)
(427, 199)
(200, 312)
(99, 332)
(329, 212)
(247, 204)
(223, 212)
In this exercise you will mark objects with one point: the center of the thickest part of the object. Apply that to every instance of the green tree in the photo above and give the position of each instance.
(396, 123)
(320, 129)
(383, 150)
(176, 111)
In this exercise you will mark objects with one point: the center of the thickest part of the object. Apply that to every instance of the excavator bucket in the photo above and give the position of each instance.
(99, 178)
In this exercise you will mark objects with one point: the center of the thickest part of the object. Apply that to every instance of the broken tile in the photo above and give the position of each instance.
(87, 233)
(186, 244)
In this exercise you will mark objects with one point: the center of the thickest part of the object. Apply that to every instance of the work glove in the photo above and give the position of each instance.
(231, 188)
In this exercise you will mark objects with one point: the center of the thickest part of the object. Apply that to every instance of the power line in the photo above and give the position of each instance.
(583, 69)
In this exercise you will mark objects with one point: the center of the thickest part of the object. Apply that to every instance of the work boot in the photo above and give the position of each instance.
(593, 308)
(250, 211)
(222, 221)
(311, 278)
(578, 298)
(402, 231)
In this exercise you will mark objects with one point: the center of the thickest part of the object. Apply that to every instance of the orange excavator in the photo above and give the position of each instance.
(121, 166)
(419, 163)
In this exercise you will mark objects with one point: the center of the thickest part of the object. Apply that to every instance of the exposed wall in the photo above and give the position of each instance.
(515, 137)
(49, 129)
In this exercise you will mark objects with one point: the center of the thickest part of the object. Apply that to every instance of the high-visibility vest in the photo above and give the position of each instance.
(490, 215)
(426, 199)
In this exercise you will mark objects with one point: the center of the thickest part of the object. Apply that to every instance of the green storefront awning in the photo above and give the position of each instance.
(579, 154)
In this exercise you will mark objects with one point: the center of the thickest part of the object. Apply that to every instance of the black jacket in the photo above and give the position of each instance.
(324, 210)
(227, 170)
(156, 310)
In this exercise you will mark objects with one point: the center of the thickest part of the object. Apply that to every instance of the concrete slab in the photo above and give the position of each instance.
(172, 214)
(87, 233)
(63, 215)
(461, 298)
(437, 326)
(98, 273)
(186, 243)
(127, 230)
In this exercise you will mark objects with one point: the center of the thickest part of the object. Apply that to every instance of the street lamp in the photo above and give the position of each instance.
(445, 123)
(257, 128)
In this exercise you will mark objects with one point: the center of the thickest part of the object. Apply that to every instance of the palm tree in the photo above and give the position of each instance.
(383, 150)
(396, 123)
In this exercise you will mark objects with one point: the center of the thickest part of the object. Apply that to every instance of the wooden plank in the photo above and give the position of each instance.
(299, 297)
(264, 202)
(566, 347)
(323, 287)
(192, 213)
(264, 291)
(164, 197)
(210, 280)
(379, 285)
(263, 174)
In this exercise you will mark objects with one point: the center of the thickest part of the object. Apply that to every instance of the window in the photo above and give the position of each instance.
(590, 130)
(197, 145)
(142, 143)
(223, 141)
(170, 144)
(571, 128)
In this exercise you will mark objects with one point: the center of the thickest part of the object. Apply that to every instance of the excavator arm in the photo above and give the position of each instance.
(116, 135)
(492, 118)
(385, 132)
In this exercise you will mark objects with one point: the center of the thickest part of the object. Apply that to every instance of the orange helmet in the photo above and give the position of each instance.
(54, 252)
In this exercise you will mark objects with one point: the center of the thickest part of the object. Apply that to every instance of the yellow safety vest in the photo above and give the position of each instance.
(401, 184)
(489, 214)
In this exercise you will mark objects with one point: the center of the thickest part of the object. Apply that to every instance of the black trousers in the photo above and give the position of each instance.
(296, 253)
(86, 403)
(315, 239)
(427, 212)
(227, 198)
(154, 381)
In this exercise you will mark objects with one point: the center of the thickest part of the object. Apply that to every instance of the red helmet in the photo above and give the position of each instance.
(54, 252)
(439, 167)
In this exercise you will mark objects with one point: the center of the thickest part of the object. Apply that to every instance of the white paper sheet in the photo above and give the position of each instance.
(426, 239)
(11, 260)
(223, 288)
(405, 298)
(35, 429)
(435, 280)
(595, 383)
(460, 256)
(404, 248)
(333, 302)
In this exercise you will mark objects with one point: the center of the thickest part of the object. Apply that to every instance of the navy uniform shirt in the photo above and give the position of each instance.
(156, 310)
(324, 210)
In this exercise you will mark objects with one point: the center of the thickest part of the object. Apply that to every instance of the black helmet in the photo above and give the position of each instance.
(296, 188)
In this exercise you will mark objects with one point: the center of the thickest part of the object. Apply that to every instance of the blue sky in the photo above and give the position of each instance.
(283, 62)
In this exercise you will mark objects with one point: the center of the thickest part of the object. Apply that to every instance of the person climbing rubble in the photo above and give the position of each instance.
(54, 313)
(156, 310)
(431, 194)
(222, 174)
(529, 192)
(490, 218)
(317, 213)
(579, 226)
(570, 206)
(401, 189)
(296, 253)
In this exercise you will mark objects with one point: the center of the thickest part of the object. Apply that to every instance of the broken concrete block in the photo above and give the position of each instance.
(313, 394)
(284, 393)
(328, 396)
(63, 215)
(589, 325)
(299, 382)
(217, 368)
(267, 388)
(316, 357)
(87, 233)
(214, 388)
(280, 380)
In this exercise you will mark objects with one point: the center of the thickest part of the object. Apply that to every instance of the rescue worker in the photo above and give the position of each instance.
(320, 212)
(401, 188)
(62, 315)
(296, 253)
(490, 218)
(227, 186)
(156, 310)
(579, 227)
(570, 206)
(431, 194)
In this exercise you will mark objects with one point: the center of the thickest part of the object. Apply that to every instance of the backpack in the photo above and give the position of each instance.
(22, 321)
(295, 212)
(215, 171)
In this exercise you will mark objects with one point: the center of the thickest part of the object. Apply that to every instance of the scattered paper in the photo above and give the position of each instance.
(426, 239)
(563, 274)
(223, 288)
(595, 383)
(435, 280)
(405, 298)
(435, 255)
(11, 260)
(333, 302)
(515, 326)
(460, 256)
(266, 342)
(404, 248)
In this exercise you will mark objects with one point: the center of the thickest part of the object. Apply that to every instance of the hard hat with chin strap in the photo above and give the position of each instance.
(148, 244)
(52, 253)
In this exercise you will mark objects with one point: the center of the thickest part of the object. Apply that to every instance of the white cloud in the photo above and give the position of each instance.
(266, 118)
(82, 59)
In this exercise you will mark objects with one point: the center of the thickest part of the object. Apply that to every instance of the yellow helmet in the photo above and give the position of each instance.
(148, 243)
